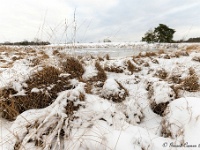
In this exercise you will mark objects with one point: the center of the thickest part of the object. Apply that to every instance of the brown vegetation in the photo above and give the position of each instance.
(73, 67)
(101, 75)
(161, 73)
(132, 68)
(48, 84)
(116, 69)
(191, 48)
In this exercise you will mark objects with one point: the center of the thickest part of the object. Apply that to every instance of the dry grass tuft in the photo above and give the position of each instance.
(56, 52)
(161, 51)
(161, 73)
(191, 83)
(107, 56)
(73, 67)
(101, 75)
(165, 56)
(175, 79)
(100, 58)
(88, 86)
(150, 54)
(119, 96)
(41, 91)
(138, 61)
(43, 55)
(132, 68)
(176, 89)
(196, 58)
(191, 48)
(116, 69)
(14, 58)
(159, 108)
(165, 131)
(34, 62)
(155, 61)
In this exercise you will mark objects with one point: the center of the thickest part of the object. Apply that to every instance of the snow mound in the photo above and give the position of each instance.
(160, 94)
(113, 90)
(182, 120)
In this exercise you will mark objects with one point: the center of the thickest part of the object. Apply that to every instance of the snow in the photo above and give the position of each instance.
(182, 120)
(90, 71)
(162, 92)
(111, 87)
(117, 115)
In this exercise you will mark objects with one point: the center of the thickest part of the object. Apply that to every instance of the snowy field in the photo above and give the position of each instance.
(114, 96)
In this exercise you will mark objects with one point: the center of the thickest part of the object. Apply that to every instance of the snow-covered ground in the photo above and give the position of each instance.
(145, 99)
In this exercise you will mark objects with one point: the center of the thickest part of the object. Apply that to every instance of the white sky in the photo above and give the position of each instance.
(118, 20)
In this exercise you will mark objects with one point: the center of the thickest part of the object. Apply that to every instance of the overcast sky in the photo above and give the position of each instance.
(118, 20)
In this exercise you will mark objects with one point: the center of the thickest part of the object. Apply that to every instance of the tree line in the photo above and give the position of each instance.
(25, 43)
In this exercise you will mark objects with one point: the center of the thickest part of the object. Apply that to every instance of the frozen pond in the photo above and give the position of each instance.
(113, 52)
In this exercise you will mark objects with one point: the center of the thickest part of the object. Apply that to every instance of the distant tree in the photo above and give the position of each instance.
(161, 34)
(149, 37)
(164, 34)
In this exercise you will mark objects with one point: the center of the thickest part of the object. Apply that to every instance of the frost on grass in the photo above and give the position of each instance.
(182, 120)
(79, 121)
(49, 127)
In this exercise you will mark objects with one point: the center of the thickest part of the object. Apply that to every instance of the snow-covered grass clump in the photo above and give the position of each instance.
(59, 101)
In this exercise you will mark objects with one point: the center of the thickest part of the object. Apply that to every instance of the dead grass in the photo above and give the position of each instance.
(3, 61)
(161, 51)
(116, 69)
(191, 48)
(101, 75)
(176, 89)
(155, 61)
(175, 79)
(132, 68)
(161, 73)
(35, 62)
(47, 82)
(165, 131)
(73, 67)
(88, 86)
(196, 58)
(165, 56)
(43, 55)
(191, 83)
(146, 54)
(159, 108)
(107, 56)
(140, 61)
(8, 49)
(14, 58)
(56, 52)
(117, 97)
(100, 58)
